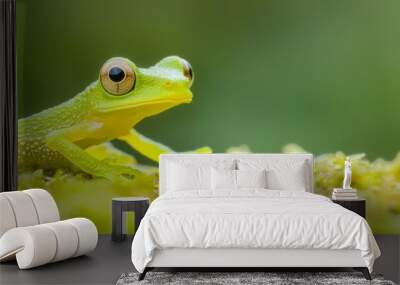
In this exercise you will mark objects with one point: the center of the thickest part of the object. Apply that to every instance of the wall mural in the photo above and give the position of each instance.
(266, 78)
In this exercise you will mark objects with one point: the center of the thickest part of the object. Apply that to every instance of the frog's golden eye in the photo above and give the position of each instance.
(188, 71)
(117, 77)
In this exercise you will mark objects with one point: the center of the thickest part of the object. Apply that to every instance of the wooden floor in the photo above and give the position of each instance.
(103, 266)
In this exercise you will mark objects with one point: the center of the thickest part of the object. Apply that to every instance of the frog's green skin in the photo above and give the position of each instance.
(68, 134)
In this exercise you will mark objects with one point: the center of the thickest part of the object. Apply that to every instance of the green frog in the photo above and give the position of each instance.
(79, 131)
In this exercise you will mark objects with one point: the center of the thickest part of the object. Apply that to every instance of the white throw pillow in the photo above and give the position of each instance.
(251, 178)
(293, 180)
(193, 174)
(187, 177)
(223, 179)
(282, 174)
(227, 179)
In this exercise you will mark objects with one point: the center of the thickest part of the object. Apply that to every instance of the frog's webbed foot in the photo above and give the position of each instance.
(150, 148)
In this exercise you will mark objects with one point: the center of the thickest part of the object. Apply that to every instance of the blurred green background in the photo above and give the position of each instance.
(323, 74)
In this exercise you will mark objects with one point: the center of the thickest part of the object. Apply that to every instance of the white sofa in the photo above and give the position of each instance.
(31, 230)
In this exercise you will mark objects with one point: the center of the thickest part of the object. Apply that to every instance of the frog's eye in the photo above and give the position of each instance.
(188, 71)
(117, 77)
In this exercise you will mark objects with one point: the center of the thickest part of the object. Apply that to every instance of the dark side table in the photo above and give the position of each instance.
(120, 206)
(355, 205)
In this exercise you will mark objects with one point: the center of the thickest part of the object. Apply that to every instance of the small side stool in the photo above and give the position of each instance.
(120, 206)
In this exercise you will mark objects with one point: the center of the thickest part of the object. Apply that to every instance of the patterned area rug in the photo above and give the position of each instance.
(269, 278)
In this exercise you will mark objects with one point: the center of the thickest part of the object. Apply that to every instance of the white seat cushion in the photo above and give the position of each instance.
(40, 244)
(26, 208)
(46, 207)
(67, 240)
(7, 220)
(32, 246)
(23, 208)
(87, 234)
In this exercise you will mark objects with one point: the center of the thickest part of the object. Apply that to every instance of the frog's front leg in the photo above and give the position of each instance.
(63, 140)
(150, 148)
